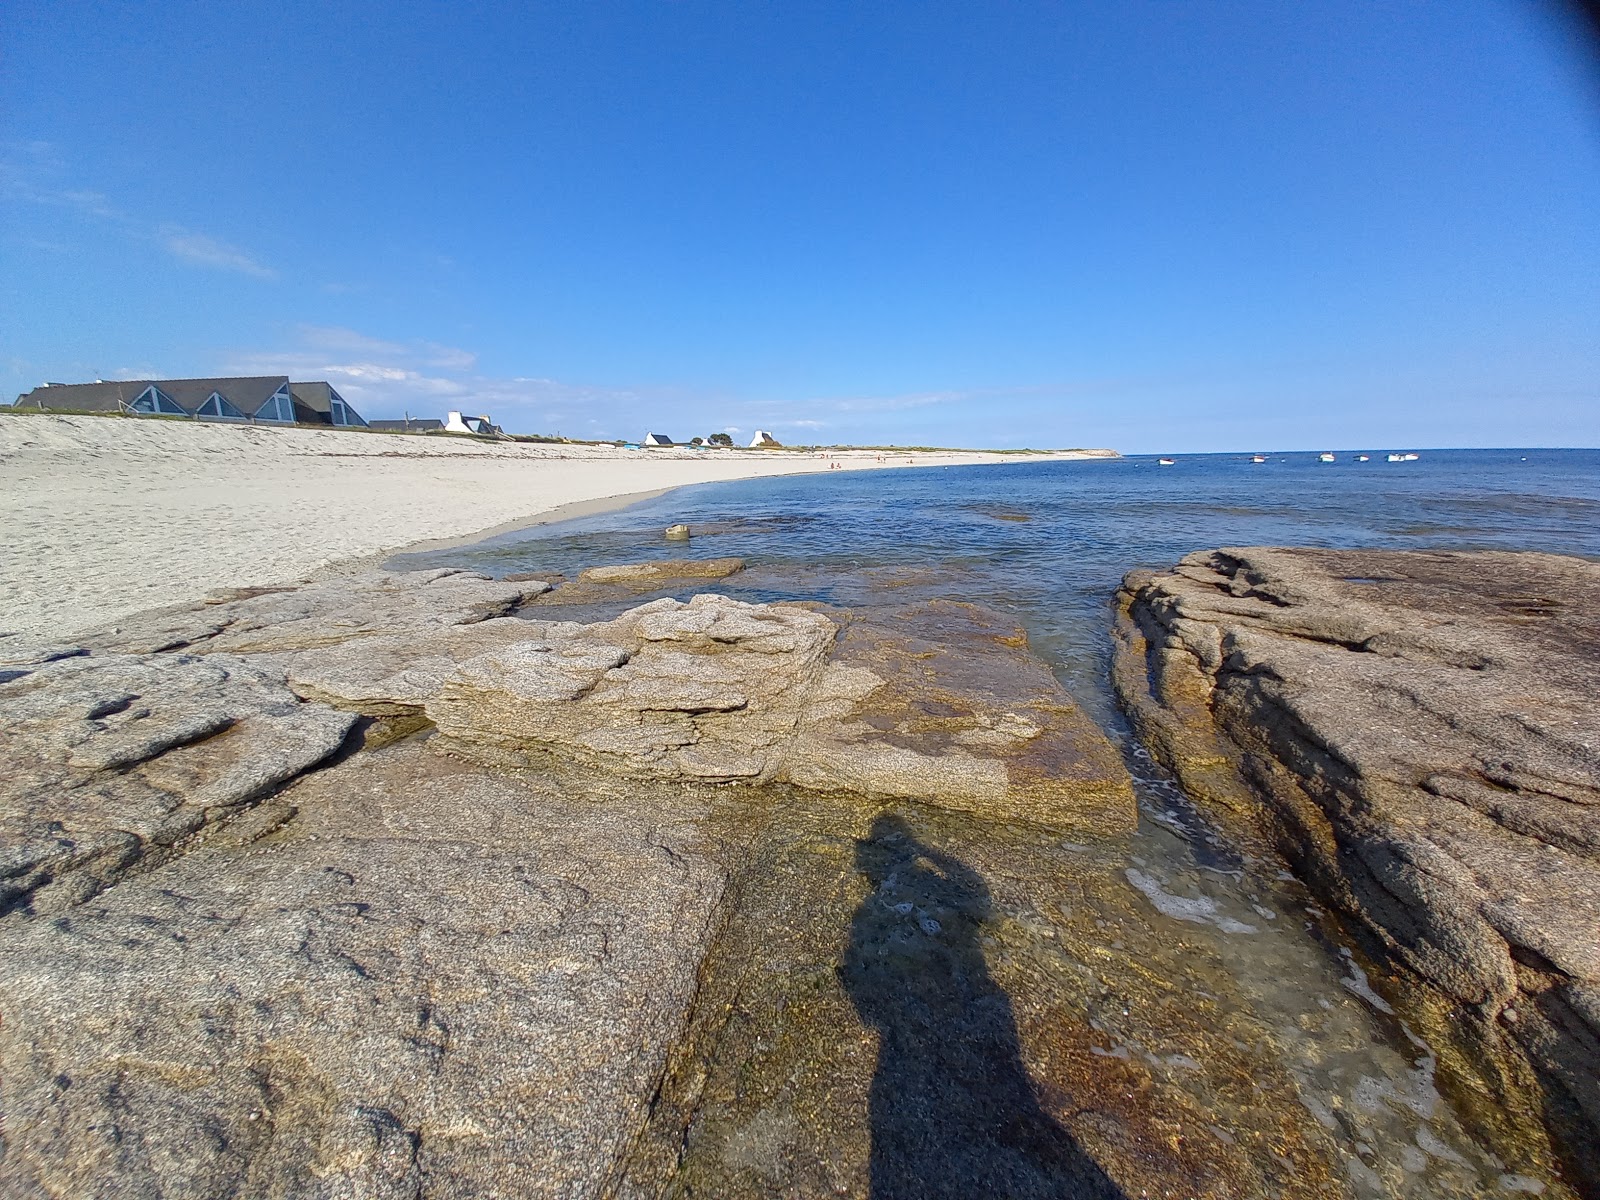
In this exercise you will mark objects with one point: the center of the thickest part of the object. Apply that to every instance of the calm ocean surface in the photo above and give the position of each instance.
(1049, 542)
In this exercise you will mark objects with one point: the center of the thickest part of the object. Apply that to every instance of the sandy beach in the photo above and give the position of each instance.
(105, 517)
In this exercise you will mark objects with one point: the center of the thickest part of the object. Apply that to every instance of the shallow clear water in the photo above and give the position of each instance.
(1049, 542)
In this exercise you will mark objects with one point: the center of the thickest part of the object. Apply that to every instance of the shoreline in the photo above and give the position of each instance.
(107, 518)
(571, 511)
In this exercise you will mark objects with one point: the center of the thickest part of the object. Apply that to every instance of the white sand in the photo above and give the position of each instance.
(102, 517)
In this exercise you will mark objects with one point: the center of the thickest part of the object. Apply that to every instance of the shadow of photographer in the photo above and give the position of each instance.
(953, 1112)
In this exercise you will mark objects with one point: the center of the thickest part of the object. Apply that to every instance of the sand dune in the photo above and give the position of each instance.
(107, 516)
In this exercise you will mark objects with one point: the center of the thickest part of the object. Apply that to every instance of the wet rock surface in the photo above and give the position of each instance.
(1416, 732)
(913, 1002)
(935, 700)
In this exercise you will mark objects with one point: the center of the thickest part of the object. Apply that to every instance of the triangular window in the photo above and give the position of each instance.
(154, 400)
(277, 408)
(217, 405)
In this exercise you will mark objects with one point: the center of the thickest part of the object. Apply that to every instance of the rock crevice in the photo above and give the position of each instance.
(1418, 737)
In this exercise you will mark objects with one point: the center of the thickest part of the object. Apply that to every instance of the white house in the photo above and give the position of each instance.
(657, 439)
(461, 424)
(763, 438)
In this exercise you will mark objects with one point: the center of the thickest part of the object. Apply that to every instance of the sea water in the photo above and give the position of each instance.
(1048, 542)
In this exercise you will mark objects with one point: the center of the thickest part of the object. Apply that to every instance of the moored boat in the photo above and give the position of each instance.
(1324, 457)
(1166, 462)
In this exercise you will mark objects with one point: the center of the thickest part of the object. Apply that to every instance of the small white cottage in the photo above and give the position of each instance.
(458, 423)
(657, 439)
(763, 438)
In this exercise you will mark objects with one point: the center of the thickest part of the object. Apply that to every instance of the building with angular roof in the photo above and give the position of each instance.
(320, 404)
(269, 399)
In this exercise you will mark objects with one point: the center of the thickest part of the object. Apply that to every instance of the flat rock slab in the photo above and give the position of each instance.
(940, 702)
(1417, 732)
(262, 620)
(670, 570)
(113, 763)
(426, 980)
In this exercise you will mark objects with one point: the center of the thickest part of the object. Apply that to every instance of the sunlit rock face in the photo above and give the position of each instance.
(112, 763)
(413, 978)
(938, 701)
(1417, 733)
(328, 613)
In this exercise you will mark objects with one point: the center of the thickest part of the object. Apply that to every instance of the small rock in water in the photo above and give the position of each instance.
(677, 533)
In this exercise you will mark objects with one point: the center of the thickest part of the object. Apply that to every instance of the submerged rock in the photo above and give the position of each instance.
(653, 574)
(1417, 734)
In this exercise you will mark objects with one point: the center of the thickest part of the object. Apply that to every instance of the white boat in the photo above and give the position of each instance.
(1257, 458)
(1324, 457)
(1361, 458)
(1402, 458)
(1166, 462)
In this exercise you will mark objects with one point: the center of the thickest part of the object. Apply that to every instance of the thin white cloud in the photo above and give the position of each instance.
(205, 251)
(340, 340)
(385, 377)
(32, 173)
(898, 403)
(449, 357)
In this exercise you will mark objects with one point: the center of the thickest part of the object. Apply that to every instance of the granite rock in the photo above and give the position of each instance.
(423, 980)
(327, 613)
(940, 702)
(653, 574)
(1416, 732)
(113, 763)
(540, 949)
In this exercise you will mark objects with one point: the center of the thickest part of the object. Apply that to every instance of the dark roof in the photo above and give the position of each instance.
(318, 397)
(413, 425)
(84, 397)
(247, 393)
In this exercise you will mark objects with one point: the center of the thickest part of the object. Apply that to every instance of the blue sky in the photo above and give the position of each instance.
(1153, 226)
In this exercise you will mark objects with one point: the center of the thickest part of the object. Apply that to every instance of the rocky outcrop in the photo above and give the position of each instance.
(545, 947)
(120, 753)
(262, 620)
(1417, 734)
(415, 978)
(939, 702)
